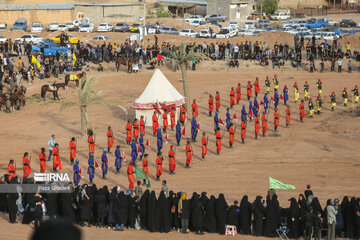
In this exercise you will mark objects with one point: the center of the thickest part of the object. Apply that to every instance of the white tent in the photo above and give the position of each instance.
(158, 92)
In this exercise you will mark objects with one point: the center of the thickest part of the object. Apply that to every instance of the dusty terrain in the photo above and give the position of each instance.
(321, 151)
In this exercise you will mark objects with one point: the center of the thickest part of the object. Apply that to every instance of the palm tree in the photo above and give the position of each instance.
(179, 57)
(85, 99)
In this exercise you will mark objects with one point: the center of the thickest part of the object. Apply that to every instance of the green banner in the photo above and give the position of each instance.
(275, 184)
(141, 175)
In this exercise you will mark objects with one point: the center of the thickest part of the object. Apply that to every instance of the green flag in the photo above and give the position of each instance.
(141, 175)
(275, 184)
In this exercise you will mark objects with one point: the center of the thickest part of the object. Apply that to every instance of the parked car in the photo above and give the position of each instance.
(49, 48)
(81, 21)
(280, 16)
(188, 33)
(70, 26)
(234, 25)
(173, 31)
(105, 27)
(270, 29)
(347, 23)
(249, 25)
(194, 17)
(300, 15)
(20, 24)
(37, 27)
(53, 26)
(331, 22)
(87, 27)
(62, 27)
(262, 23)
(301, 23)
(329, 36)
(32, 38)
(197, 23)
(320, 23)
(286, 29)
(70, 39)
(121, 27)
(3, 26)
(206, 33)
(306, 35)
(216, 17)
(288, 23)
(226, 32)
(134, 27)
(101, 38)
(2, 38)
(246, 32)
(151, 29)
(299, 30)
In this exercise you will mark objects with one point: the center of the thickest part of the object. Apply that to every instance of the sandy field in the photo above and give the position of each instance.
(322, 151)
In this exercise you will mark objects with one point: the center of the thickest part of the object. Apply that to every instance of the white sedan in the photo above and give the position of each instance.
(87, 27)
(205, 33)
(105, 27)
(226, 32)
(32, 38)
(101, 38)
(188, 33)
(62, 27)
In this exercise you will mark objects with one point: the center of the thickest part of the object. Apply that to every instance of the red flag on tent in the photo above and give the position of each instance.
(96, 164)
(147, 143)
(234, 117)
(221, 122)
(183, 132)
(139, 149)
(281, 97)
(198, 126)
(272, 99)
(166, 138)
(261, 102)
(156, 108)
(159, 57)
(250, 113)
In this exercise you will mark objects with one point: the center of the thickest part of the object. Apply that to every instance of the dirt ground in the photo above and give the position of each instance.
(322, 151)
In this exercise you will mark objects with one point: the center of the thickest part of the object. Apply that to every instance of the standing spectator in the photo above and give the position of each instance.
(165, 188)
(184, 212)
(51, 144)
(331, 220)
(349, 66)
(339, 65)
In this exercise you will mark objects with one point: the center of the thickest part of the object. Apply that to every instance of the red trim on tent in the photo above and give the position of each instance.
(148, 106)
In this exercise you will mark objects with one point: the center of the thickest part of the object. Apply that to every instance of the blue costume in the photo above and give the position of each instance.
(250, 110)
(118, 159)
(243, 113)
(266, 102)
(286, 94)
(256, 104)
(178, 132)
(159, 140)
(216, 121)
(91, 168)
(142, 146)
(228, 120)
(104, 164)
(276, 99)
(76, 176)
(134, 151)
(194, 129)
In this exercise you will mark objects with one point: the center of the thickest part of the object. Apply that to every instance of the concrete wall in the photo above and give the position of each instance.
(245, 10)
(301, 4)
(218, 6)
(65, 1)
(44, 16)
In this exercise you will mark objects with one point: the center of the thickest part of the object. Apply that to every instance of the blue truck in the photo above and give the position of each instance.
(49, 48)
(20, 24)
(319, 23)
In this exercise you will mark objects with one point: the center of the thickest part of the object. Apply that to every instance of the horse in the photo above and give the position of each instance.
(20, 97)
(125, 62)
(52, 88)
(6, 102)
(75, 78)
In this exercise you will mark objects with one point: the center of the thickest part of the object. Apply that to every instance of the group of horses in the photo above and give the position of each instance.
(13, 100)
(54, 88)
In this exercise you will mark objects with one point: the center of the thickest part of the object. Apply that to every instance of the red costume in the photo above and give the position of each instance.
(159, 168)
(249, 90)
(42, 162)
(188, 154)
(172, 118)
(130, 172)
(243, 130)
(264, 124)
(232, 97)
(276, 119)
(72, 147)
(257, 88)
(11, 170)
(204, 146)
(145, 166)
(288, 117)
(218, 141)
(231, 135)
(136, 130)
(56, 159)
(195, 109)
(211, 104)
(302, 111)
(165, 121)
(91, 144)
(238, 93)
(217, 102)
(155, 123)
(172, 161)
(142, 126)
(182, 114)
(26, 167)
(128, 132)
(257, 126)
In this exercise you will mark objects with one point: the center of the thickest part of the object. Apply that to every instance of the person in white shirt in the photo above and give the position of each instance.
(51, 146)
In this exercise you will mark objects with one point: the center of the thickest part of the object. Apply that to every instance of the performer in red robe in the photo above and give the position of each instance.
(131, 177)
(110, 138)
(56, 158)
(203, 146)
(172, 160)
(159, 169)
(26, 165)
(72, 146)
(42, 160)
(91, 142)
(188, 154)
(211, 104)
(232, 97)
(142, 125)
(128, 132)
